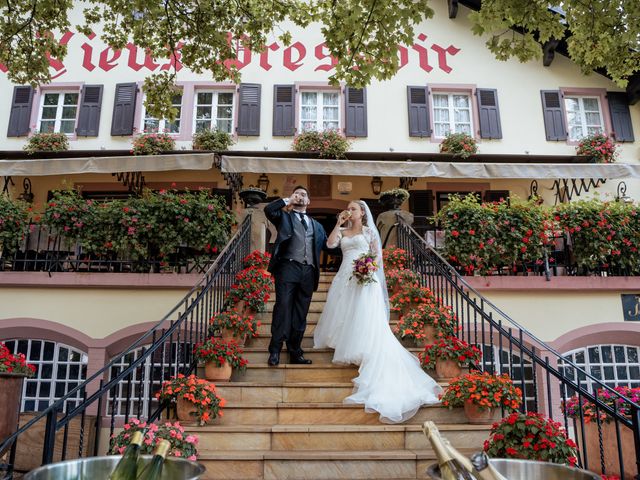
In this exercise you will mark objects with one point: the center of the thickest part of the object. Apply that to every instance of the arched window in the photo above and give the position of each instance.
(614, 365)
(159, 366)
(59, 369)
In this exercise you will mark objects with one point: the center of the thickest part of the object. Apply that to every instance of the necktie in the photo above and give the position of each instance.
(302, 220)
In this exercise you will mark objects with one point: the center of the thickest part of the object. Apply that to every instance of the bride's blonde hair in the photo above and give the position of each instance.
(361, 204)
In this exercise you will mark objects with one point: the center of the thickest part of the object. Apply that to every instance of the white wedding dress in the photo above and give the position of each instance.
(355, 322)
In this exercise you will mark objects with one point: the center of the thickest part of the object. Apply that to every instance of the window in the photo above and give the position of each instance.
(214, 111)
(58, 112)
(154, 125)
(451, 113)
(615, 365)
(158, 367)
(319, 111)
(59, 369)
(583, 116)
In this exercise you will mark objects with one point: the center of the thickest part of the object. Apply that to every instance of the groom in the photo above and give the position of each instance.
(295, 266)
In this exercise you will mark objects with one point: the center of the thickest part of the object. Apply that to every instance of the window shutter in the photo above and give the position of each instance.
(418, 112)
(249, 109)
(284, 112)
(489, 113)
(620, 116)
(90, 108)
(554, 124)
(421, 203)
(124, 109)
(356, 112)
(20, 111)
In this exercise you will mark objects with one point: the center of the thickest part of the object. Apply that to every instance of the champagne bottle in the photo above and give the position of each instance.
(450, 468)
(154, 469)
(126, 468)
(483, 470)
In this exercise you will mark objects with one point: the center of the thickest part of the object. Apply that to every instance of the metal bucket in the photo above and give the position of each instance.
(514, 469)
(99, 468)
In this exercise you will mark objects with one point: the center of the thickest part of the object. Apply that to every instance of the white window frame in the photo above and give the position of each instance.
(213, 121)
(451, 109)
(590, 366)
(163, 122)
(59, 107)
(55, 362)
(583, 115)
(319, 109)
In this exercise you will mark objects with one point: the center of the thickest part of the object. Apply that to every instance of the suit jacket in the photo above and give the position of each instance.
(284, 224)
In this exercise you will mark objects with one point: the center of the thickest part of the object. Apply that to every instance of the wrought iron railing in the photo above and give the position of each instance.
(546, 378)
(120, 390)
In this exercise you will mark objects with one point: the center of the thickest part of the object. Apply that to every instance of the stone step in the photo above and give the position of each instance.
(254, 392)
(259, 354)
(332, 437)
(265, 326)
(304, 413)
(285, 372)
(320, 465)
(263, 341)
(315, 306)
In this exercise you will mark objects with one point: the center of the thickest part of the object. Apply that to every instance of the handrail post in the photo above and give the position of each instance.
(50, 436)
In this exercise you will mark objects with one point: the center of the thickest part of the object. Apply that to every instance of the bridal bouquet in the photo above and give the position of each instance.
(364, 268)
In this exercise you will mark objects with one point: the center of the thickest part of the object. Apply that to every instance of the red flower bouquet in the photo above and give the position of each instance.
(364, 268)
(531, 437)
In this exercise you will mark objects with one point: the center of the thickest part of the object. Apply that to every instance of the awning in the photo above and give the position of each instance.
(142, 163)
(368, 168)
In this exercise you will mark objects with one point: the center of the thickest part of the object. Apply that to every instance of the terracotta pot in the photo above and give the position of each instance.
(10, 392)
(227, 334)
(478, 415)
(610, 447)
(186, 410)
(213, 372)
(446, 369)
(430, 334)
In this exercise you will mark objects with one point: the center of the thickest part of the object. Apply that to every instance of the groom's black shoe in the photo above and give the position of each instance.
(300, 360)
(274, 359)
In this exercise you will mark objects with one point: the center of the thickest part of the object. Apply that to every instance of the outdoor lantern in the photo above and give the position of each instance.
(621, 194)
(376, 185)
(27, 194)
(263, 182)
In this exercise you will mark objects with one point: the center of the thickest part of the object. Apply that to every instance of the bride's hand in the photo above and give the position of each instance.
(343, 217)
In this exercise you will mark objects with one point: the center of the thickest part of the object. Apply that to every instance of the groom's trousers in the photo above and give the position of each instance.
(294, 284)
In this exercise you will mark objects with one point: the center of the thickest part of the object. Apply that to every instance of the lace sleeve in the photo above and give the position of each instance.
(337, 241)
(374, 247)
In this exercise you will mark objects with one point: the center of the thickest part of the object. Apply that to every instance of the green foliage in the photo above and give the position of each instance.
(47, 142)
(153, 143)
(13, 224)
(399, 193)
(459, 144)
(212, 140)
(328, 143)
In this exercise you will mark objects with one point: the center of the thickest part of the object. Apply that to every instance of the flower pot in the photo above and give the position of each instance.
(186, 410)
(430, 334)
(446, 369)
(477, 415)
(213, 372)
(10, 392)
(391, 202)
(228, 334)
(610, 448)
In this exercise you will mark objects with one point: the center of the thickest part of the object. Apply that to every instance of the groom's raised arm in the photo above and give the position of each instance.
(273, 211)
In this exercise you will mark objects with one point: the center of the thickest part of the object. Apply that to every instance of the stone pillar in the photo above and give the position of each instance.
(259, 227)
(386, 224)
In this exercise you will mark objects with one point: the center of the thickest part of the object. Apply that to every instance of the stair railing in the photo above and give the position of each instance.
(546, 378)
(124, 388)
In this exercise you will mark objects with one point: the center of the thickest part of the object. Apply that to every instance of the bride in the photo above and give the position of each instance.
(355, 323)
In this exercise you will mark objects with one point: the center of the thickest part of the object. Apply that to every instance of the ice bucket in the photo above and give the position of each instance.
(99, 468)
(514, 469)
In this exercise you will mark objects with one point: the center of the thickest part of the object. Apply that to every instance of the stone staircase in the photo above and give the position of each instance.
(289, 422)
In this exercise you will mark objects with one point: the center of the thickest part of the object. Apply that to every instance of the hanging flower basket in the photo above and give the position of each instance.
(394, 198)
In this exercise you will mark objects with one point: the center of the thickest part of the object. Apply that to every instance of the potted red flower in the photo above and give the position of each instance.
(220, 358)
(257, 259)
(426, 322)
(599, 147)
(448, 355)
(234, 325)
(195, 398)
(397, 278)
(394, 258)
(480, 394)
(531, 436)
(182, 445)
(252, 287)
(408, 297)
(13, 370)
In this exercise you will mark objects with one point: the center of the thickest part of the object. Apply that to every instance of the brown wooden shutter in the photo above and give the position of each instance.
(417, 100)
(620, 116)
(124, 109)
(284, 111)
(554, 123)
(249, 109)
(356, 112)
(20, 114)
(421, 203)
(90, 108)
(489, 113)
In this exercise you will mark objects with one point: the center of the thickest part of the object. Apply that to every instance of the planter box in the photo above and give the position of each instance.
(610, 448)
